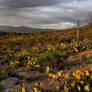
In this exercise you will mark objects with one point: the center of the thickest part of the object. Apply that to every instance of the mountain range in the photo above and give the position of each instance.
(21, 29)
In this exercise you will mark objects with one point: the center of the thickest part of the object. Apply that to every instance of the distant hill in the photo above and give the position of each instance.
(26, 29)
(21, 29)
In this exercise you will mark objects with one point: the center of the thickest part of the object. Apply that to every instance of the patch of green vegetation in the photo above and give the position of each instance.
(1, 88)
(3, 74)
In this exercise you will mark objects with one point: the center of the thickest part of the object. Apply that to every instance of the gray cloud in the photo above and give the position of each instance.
(44, 13)
(13, 4)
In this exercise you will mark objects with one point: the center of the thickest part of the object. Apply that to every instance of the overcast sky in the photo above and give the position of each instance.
(57, 14)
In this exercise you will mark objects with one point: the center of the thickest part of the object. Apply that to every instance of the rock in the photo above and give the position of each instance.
(7, 90)
(31, 75)
(50, 84)
(62, 90)
(9, 82)
(22, 69)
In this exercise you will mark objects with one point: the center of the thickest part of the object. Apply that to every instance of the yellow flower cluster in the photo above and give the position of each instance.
(29, 63)
(63, 45)
(79, 78)
(73, 79)
(58, 75)
(78, 74)
(13, 63)
(35, 88)
(53, 75)
(76, 50)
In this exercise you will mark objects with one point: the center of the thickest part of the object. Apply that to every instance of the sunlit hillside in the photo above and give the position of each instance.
(52, 61)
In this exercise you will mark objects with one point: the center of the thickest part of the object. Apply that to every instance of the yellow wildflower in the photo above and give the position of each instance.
(76, 50)
(66, 75)
(50, 74)
(59, 74)
(61, 71)
(16, 62)
(29, 62)
(39, 91)
(66, 89)
(28, 57)
(78, 87)
(81, 82)
(54, 76)
(82, 73)
(12, 63)
(57, 87)
(36, 84)
(41, 84)
(77, 76)
(63, 45)
(78, 72)
(63, 75)
(35, 89)
(86, 88)
(87, 73)
(23, 87)
(73, 84)
(34, 62)
(47, 69)
(37, 66)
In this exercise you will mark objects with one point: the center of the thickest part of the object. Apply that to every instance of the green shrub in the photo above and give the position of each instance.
(53, 57)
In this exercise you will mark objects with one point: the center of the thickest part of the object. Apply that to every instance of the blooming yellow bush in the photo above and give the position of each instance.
(74, 81)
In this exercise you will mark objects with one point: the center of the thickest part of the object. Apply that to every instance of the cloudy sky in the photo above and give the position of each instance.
(57, 14)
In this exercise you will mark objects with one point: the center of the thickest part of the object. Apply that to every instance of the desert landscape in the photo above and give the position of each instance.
(52, 61)
(45, 45)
